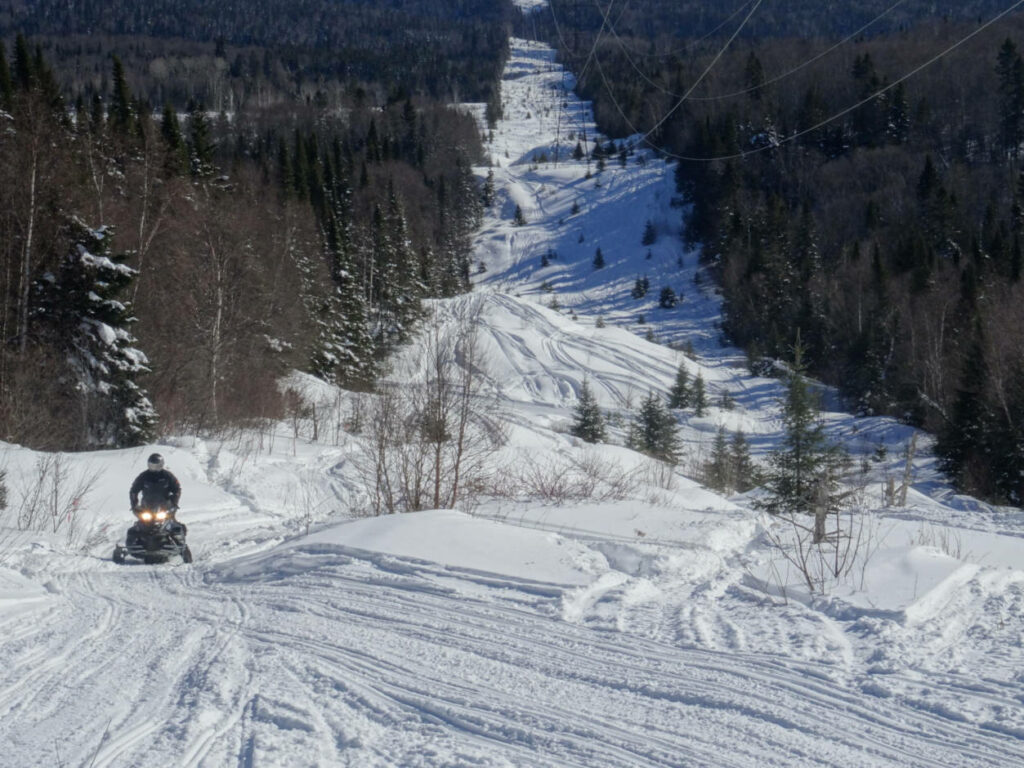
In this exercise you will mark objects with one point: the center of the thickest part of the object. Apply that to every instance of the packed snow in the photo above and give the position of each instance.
(627, 617)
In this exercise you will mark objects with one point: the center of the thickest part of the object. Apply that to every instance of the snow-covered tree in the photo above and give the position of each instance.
(82, 309)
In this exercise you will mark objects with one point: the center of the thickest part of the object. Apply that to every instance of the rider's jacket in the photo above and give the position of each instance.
(157, 489)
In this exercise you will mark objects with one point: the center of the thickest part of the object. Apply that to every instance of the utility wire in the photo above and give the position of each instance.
(645, 137)
(766, 83)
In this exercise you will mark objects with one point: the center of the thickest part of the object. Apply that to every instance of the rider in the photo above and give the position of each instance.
(157, 486)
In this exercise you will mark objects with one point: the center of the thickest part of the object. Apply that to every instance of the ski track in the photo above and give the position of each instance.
(371, 661)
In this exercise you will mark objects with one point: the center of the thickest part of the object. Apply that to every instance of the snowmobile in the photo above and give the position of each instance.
(155, 538)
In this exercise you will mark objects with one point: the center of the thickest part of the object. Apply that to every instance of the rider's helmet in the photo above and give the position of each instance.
(155, 462)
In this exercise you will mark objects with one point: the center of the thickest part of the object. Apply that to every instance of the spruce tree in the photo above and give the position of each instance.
(201, 146)
(654, 431)
(599, 262)
(743, 469)
(83, 310)
(519, 218)
(174, 144)
(589, 422)
(650, 234)
(487, 196)
(679, 395)
(698, 396)
(804, 471)
(1010, 73)
(6, 83)
(121, 114)
(718, 471)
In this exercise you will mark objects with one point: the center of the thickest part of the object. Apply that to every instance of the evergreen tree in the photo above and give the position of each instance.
(121, 115)
(1010, 71)
(650, 234)
(718, 470)
(589, 422)
(804, 471)
(667, 299)
(962, 445)
(174, 144)
(487, 196)
(519, 218)
(654, 431)
(6, 83)
(754, 77)
(743, 469)
(639, 290)
(599, 262)
(201, 146)
(679, 395)
(24, 68)
(82, 311)
(698, 395)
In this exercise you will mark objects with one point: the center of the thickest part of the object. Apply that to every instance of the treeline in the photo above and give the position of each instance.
(887, 235)
(158, 272)
(237, 56)
(670, 27)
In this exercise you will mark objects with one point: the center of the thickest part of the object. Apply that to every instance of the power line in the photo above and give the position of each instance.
(645, 137)
(766, 83)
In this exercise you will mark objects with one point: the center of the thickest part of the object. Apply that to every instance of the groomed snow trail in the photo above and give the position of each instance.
(623, 633)
(327, 656)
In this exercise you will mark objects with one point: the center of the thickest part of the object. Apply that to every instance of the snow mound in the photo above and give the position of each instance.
(448, 538)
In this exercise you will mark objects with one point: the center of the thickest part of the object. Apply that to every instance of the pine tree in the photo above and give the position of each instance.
(599, 262)
(962, 444)
(698, 395)
(638, 290)
(6, 83)
(519, 218)
(650, 234)
(667, 299)
(121, 115)
(679, 395)
(718, 471)
(82, 310)
(743, 470)
(654, 431)
(201, 146)
(1010, 72)
(804, 471)
(487, 197)
(589, 422)
(174, 144)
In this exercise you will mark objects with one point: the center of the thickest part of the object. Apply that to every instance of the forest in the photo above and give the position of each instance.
(853, 185)
(163, 260)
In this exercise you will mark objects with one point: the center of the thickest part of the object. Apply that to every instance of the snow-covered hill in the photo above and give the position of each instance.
(652, 626)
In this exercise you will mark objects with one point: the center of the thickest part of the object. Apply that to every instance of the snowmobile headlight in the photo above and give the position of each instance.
(161, 515)
(146, 515)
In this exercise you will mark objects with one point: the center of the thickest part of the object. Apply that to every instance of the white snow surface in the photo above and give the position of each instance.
(652, 629)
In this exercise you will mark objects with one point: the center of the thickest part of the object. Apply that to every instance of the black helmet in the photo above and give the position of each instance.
(155, 462)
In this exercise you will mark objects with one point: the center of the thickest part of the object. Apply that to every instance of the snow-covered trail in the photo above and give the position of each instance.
(342, 657)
